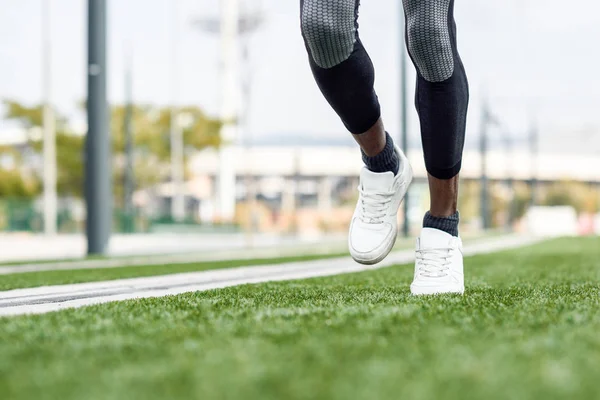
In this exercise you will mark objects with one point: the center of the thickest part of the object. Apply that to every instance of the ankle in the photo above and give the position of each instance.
(448, 224)
(386, 160)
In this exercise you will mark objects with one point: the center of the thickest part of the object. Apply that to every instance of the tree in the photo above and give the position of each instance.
(69, 146)
(14, 184)
(581, 196)
(28, 117)
(151, 128)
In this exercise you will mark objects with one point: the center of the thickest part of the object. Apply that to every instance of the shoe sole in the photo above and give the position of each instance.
(431, 291)
(365, 260)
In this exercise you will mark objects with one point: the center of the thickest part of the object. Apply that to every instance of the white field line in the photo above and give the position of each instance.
(53, 298)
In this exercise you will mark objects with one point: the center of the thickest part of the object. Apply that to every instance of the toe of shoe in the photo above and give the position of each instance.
(370, 245)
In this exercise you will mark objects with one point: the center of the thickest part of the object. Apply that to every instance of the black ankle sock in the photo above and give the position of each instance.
(385, 161)
(446, 224)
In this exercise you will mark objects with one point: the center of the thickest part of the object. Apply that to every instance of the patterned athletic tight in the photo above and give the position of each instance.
(345, 74)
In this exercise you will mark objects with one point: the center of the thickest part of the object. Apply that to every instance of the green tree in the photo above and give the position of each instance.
(14, 185)
(16, 182)
(69, 146)
(151, 127)
(28, 117)
(581, 196)
(152, 144)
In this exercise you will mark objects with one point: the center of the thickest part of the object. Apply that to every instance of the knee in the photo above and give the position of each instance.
(329, 31)
(429, 41)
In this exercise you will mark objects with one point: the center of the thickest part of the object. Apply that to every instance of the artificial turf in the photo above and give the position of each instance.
(61, 277)
(528, 327)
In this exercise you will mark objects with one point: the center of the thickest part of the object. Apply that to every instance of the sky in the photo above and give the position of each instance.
(532, 60)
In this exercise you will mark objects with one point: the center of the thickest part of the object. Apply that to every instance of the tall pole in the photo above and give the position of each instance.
(230, 26)
(247, 140)
(534, 147)
(510, 181)
(483, 148)
(49, 173)
(229, 102)
(128, 176)
(176, 134)
(404, 111)
(98, 190)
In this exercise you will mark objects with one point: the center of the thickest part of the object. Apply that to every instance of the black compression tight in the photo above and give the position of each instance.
(345, 74)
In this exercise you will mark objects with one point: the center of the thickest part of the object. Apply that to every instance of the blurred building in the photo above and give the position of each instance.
(310, 183)
(319, 182)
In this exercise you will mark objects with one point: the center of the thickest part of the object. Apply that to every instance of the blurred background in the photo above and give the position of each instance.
(207, 130)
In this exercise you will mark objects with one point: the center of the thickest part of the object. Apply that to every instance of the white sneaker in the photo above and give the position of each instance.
(374, 226)
(439, 264)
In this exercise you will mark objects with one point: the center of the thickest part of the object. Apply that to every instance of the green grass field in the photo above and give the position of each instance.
(527, 328)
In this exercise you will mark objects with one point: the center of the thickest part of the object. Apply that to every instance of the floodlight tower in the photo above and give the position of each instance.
(230, 26)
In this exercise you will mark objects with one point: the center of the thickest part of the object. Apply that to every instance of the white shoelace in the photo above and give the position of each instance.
(374, 206)
(433, 263)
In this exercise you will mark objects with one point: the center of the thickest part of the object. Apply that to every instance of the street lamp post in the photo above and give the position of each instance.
(176, 132)
(128, 176)
(533, 147)
(508, 143)
(98, 188)
(49, 128)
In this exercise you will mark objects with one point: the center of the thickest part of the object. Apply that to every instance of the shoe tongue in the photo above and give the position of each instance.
(434, 239)
(377, 182)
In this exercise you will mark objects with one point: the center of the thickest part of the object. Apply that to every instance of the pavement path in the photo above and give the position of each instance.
(281, 250)
(17, 247)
